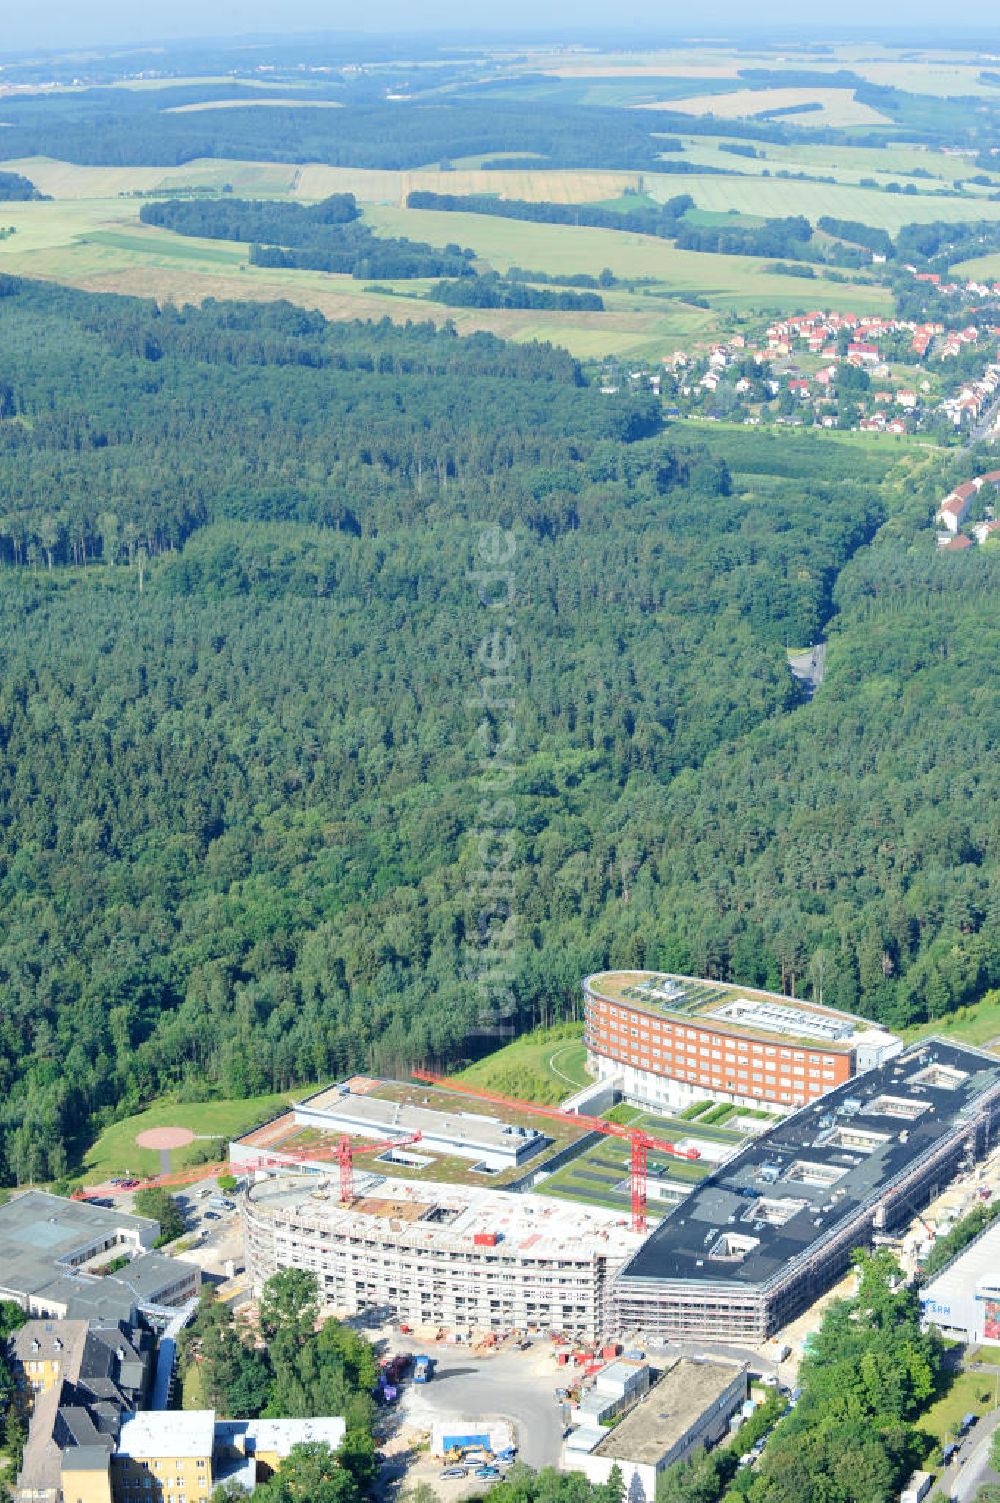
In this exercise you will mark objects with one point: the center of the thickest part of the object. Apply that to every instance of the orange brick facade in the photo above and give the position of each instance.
(710, 1059)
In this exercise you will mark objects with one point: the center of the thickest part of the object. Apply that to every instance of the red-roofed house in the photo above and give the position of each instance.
(957, 544)
(953, 511)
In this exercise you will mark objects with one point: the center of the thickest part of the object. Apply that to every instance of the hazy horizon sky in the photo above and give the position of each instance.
(59, 24)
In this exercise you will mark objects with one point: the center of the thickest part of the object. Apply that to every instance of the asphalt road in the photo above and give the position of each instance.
(963, 1481)
(506, 1386)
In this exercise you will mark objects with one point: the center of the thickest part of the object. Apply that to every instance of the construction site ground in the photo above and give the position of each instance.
(505, 1384)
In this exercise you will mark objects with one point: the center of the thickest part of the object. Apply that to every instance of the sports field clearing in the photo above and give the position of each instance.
(836, 106)
(116, 1152)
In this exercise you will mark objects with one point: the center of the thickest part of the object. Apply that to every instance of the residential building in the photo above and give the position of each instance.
(179, 1456)
(75, 1380)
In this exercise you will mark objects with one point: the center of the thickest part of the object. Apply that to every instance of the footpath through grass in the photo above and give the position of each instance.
(545, 1066)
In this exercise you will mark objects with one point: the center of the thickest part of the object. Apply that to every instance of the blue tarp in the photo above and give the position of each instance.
(449, 1441)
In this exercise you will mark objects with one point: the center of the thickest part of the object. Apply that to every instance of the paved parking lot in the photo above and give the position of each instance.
(516, 1386)
(216, 1234)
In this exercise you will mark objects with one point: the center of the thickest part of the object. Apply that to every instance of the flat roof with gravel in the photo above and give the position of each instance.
(661, 1420)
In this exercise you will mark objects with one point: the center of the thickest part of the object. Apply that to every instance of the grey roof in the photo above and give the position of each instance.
(44, 1237)
(85, 1298)
(818, 1167)
(86, 1459)
(102, 1372)
(151, 1273)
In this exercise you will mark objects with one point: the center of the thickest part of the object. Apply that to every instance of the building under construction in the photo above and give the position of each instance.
(461, 1257)
(775, 1226)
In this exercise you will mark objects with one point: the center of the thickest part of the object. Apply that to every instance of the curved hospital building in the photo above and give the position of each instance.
(668, 1041)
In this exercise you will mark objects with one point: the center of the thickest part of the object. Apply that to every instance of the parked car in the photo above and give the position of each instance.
(453, 1471)
(486, 1471)
(212, 1216)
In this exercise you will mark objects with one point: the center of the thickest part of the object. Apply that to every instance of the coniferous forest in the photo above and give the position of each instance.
(241, 706)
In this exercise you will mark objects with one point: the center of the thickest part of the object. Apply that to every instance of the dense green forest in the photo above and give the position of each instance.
(664, 220)
(493, 291)
(121, 127)
(534, 118)
(13, 186)
(250, 745)
(321, 237)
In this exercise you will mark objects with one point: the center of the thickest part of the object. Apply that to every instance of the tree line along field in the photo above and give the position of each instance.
(95, 242)
(99, 244)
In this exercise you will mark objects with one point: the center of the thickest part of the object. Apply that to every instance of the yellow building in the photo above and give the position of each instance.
(176, 1456)
(42, 1353)
(164, 1456)
(75, 1379)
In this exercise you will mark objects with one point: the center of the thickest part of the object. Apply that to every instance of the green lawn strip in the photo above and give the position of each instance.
(978, 1024)
(672, 1126)
(162, 243)
(990, 1354)
(969, 1393)
(544, 1066)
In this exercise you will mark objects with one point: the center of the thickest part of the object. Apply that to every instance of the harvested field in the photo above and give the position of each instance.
(837, 106)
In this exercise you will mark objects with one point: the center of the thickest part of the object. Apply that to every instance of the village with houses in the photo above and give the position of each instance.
(848, 371)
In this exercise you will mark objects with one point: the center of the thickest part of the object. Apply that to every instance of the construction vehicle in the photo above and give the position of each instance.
(640, 1142)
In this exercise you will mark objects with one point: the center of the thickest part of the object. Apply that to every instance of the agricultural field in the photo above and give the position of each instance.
(776, 197)
(98, 243)
(884, 164)
(735, 283)
(982, 269)
(67, 180)
(836, 107)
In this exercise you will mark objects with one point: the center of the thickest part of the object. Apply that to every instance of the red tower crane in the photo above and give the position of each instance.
(640, 1142)
(345, 1158)
(343, 1151)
